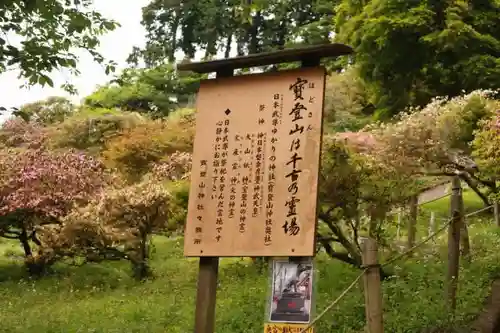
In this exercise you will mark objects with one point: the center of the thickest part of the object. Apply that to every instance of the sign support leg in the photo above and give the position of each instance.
(206, 295)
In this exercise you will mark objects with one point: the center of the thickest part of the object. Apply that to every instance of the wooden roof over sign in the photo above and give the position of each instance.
(304, 54)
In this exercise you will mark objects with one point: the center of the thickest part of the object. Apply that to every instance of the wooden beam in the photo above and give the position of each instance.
(303, 54)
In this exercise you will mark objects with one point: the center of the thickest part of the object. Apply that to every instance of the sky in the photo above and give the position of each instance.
(116, 46)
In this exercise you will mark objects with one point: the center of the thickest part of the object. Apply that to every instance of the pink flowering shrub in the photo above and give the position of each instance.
(434, 139)
(38, 187)
(47, 183)
(17, 132)
(176, 167)
(116, 225)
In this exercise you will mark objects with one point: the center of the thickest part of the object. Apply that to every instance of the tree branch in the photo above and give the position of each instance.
(473, 186)
(350, 248)
(342, 256)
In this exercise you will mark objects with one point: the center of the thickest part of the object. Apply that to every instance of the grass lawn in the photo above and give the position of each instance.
(103, 298)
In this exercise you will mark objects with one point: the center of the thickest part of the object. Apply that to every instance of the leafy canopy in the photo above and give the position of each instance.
(156, 91)
(412, 51)
(212, 26)
(49, 32)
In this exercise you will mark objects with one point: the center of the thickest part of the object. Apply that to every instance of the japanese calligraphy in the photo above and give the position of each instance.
(292, 224)
(200, 206)
(255, 165)
(259, 168)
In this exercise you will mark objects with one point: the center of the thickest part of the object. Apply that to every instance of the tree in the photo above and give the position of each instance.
(50, 31)
(356, 192)
(37, 187)
(135, 151)
(212, 26)
(411, 51)
(435, 140)
(347, 102)
(156, 91)
(115, 226)
(174, 173)
(90, 129)
(49, 111)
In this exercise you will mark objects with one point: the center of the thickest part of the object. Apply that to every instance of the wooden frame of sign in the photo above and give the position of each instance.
(255, 163)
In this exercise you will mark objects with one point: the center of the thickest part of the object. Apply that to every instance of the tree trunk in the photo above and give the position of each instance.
(353, 261)
(140, 264)
(173, 30)
(227, 52)
(254, 34)
(23, 238)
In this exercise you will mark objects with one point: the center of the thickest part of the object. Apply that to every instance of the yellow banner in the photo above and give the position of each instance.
(285, 328)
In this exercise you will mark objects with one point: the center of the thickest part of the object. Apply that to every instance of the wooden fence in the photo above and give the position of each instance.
(456, 226)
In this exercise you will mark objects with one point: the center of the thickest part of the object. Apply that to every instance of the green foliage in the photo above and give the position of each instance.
(135, 150)
(49, 111)
(347, 106)
(254, 27)
(178, 206)
(486, 148)
(411, 51)
(91, 129)
(157, 91)
(356, 192)
(50, 32)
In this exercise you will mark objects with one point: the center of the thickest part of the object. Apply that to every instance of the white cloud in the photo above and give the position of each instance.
(116, 46)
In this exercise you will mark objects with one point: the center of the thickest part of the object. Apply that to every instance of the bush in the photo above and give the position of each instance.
(486, 148)
(136, 150)
(118, 225)
(347, 104)
(91, 129)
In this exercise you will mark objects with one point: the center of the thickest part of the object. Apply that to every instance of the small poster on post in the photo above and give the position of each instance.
(291, 292)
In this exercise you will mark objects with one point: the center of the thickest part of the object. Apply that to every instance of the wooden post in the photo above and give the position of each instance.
(206, 293)
(398, 231)
(412, 222)
(432, 224)
(464, 231)
(454, 244)
(372, 287)
(496, 213)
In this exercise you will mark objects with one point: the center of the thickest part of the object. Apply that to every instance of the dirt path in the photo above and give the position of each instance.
(433, 193)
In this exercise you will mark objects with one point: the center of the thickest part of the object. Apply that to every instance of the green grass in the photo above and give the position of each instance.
(103, 298)
(442, 207)
(441, 210)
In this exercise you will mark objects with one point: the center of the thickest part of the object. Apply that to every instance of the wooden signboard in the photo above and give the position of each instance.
(255, 165)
